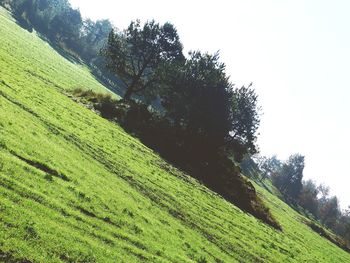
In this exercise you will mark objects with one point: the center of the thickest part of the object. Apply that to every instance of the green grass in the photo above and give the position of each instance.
(76, 188)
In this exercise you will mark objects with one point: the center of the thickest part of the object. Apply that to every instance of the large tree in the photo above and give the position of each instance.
(137, 54)
(198, 98)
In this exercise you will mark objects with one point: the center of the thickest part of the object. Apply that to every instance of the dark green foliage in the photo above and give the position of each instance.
(137, 54)
(64, 27)
(198, 99)
(245, 117)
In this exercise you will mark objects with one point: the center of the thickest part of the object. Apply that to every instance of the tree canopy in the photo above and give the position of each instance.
(245, 116)
(137, 54)
(198, 97)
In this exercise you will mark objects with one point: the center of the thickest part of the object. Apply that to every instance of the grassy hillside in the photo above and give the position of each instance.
(76, 188)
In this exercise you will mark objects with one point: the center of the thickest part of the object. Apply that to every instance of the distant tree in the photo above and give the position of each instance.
(139, 52)
(269, 166)
(245, 117)
(329, 211)
(289, 180)
(342, 227)
(93, 36)
(23, 11)
(65, 26)
(323, 191)
(308, 197)
(56, 19)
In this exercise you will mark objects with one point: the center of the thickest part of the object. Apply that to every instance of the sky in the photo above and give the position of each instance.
(296, 53)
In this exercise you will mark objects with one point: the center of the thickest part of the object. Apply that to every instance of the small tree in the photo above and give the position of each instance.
(137, 54)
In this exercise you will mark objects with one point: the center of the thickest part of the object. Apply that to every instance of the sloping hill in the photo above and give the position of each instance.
(76, 188)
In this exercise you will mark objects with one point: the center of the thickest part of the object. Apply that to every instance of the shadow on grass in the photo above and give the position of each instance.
(332, 238)
(43, 167)
(9, 258)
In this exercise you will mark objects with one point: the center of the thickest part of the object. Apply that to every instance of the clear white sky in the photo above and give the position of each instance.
(297, 54)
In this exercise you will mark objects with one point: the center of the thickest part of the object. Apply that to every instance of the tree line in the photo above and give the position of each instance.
(61, 24)
(64, 27)
(315, 200)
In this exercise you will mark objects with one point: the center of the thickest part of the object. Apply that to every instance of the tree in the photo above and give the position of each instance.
(93, 36)
(198, 99)
(245, 117)
(269, 166)
(308, 198)
(289, 180)
(323, 192)
(342, 226)
(139, 52)
(65, 26)
(329, 211)
(201, 98)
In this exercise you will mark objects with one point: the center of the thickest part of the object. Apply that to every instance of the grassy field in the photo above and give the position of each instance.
(76, 188)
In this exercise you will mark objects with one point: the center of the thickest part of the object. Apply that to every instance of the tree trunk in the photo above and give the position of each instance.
(130, 89)
(127, 95)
